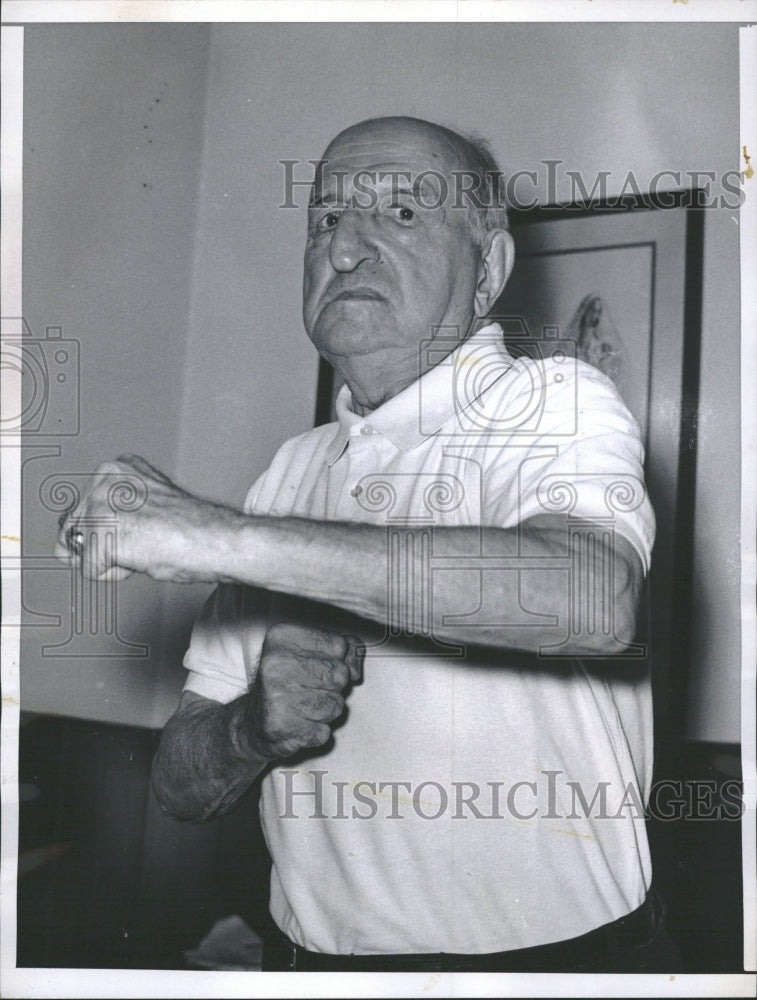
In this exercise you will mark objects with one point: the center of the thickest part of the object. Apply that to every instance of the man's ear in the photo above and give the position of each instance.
(497, 259)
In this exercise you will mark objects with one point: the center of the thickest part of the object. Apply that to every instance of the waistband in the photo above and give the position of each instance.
(600, 945)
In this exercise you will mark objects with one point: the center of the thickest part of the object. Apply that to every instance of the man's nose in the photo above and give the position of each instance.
(350, 241)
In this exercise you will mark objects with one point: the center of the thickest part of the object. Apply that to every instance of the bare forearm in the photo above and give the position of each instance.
(525, 589)
(204, 763)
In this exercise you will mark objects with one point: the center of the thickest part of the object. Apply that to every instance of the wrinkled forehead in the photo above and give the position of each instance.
(414, 148)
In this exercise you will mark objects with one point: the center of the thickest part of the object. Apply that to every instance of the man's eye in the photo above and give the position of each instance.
(328, 221)
(404, 214)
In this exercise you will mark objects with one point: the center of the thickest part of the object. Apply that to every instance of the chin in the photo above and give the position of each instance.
(349, 339)
(341, 343)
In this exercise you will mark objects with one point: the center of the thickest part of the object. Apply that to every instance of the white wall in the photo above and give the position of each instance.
(598, 97)
(113, 133)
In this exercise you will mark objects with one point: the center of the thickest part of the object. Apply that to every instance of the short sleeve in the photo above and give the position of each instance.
(584, 458)
(227, 639)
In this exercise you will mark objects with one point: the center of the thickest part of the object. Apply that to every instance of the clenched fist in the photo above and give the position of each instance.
(299, 688)
(159, 529)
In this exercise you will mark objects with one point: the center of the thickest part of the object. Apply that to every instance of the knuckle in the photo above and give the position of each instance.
(319, 706)
(277, 634)
(340, 674)
(319, 703)
(340, 645)
(337, 707)
(285, 632)
(331, 643)
(333, 708)
(320, 734)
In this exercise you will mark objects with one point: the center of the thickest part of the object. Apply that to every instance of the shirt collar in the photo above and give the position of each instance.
(422, 408)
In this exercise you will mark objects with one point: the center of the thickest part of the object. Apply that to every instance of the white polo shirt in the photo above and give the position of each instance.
(471, 801)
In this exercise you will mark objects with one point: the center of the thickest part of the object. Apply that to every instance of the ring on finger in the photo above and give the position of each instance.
(75, 542)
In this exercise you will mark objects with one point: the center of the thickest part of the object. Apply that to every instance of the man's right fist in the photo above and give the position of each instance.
(298, 689)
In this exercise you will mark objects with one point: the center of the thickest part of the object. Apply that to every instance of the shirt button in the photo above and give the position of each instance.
(366, 429)
(357, 491)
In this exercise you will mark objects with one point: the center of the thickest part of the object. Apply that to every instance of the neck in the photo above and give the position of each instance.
(377, 377)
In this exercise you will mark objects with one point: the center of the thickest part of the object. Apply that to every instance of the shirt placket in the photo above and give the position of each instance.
(365, 455)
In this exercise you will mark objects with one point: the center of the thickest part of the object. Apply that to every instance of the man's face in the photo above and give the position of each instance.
(387, 264)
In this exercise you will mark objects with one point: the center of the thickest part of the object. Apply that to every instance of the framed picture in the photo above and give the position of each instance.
(618, 284)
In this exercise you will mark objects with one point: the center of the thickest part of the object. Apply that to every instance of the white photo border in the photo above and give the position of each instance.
(101, 983)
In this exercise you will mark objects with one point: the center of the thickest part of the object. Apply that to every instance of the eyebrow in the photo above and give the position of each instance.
(327, 200)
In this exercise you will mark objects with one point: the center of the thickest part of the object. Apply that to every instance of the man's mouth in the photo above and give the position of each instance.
(357, 294)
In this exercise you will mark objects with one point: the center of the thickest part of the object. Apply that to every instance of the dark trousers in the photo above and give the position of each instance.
(637, 942)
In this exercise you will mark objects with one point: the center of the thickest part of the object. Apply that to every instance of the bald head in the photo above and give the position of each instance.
(399, 131)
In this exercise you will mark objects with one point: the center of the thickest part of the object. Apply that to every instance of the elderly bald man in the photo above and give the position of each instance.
(409, 636)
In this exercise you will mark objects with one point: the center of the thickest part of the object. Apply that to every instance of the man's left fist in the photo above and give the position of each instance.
(132, 518)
